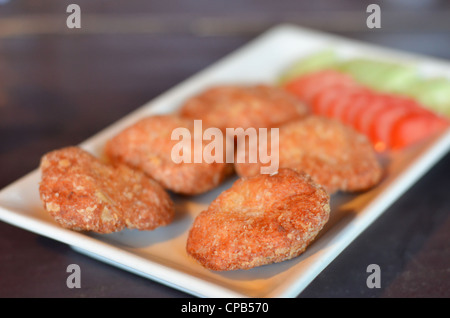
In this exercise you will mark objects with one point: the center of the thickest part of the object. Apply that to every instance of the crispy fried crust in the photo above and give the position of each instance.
(233, 106)
(147, 146)
(82, 193)
(334, 155)
(260, 220)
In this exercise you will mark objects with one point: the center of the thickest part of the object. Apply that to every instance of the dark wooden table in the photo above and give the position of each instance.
(58, 86)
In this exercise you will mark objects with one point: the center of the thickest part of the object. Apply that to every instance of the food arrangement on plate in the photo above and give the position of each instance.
(333, 117)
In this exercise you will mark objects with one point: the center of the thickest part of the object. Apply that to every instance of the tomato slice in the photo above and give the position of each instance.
(381, 131)
(365, 116)
(307, 86)
(323, 99)
(336, 105)
(355, 104)
(414, 128)
(342, 106)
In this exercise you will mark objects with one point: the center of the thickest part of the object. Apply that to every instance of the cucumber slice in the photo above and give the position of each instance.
(433, 93)
(396, 79)
(315, 62)
(382, 76)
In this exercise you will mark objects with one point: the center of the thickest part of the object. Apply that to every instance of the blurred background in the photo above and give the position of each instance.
(59, 86)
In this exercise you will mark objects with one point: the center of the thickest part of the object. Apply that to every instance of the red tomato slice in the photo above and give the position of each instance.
(365, 117)
(307, 86)
(322, 100)
(356, 103)
(380, 131)
(335, 106)
(414, 128)
(341, 107)
(325, 99)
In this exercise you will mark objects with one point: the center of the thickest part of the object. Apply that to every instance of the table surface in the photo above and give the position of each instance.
(59, 86)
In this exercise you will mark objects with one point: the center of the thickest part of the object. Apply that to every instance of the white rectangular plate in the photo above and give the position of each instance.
(160, 255)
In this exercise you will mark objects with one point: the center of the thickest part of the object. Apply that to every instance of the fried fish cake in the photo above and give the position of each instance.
(333, 154)
(84, 194)
(147, 145)
(260, 220)
(245, 106)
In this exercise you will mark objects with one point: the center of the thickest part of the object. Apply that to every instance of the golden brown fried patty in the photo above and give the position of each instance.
(233, 106)
(84, 194)
(260, 220)
(334, 155)
(147, 146)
